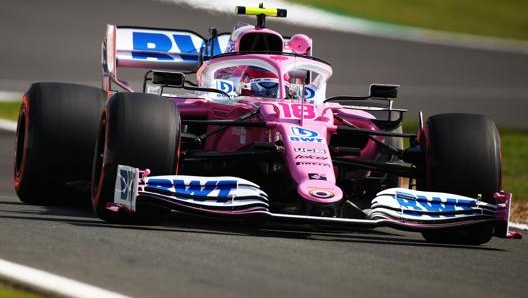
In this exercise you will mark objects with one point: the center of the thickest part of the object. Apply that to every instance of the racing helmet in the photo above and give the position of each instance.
(259, 82)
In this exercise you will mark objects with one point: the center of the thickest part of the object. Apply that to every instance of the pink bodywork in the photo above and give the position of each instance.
(304, 128)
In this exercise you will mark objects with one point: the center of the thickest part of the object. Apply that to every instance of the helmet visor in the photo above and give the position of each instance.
(264, 87)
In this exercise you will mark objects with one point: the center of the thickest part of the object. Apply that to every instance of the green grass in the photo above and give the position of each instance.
(497, 18)
(9, 110)
(515, 162)
(9, 291)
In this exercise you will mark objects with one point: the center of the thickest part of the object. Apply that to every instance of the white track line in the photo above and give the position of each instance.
(519, 226)
(8, 125)
(52, 284)
(9, 96)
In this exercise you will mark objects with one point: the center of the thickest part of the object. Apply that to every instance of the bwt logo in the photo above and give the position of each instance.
(300, 134)
(195, 187)
(303, 132)
(160, 46)
(433, 204)
(225, 85)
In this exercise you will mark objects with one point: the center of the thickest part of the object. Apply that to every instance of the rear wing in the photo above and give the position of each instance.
(153, 48)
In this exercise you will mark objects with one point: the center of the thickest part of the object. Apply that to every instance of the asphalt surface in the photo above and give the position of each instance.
(190, 257)
(194, 257)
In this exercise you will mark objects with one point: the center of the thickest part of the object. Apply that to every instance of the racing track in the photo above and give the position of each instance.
(188, 257)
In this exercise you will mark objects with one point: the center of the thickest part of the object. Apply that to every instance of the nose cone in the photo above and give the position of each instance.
(317, 190)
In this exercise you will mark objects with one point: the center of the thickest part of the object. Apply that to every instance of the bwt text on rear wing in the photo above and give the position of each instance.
(151, 48)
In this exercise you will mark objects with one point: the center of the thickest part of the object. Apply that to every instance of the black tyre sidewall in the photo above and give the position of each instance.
(463, 156)
(56, 132)
(138, 130)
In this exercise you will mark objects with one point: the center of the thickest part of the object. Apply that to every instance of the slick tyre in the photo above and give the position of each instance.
(138, 130)
(463, 156)
(55, 137)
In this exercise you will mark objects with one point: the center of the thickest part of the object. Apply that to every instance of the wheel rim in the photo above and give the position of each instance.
(20, 152)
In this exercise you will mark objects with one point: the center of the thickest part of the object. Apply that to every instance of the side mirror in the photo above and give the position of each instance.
(384, 90)
(169, 79)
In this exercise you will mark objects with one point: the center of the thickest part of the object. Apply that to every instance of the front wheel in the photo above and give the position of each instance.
(138, 130)
(463, 156)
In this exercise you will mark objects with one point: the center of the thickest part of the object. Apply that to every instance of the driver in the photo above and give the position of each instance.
(259, 82)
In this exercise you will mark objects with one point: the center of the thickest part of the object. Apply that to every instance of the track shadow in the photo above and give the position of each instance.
(83, 215)
(15, 209)
(185, 223)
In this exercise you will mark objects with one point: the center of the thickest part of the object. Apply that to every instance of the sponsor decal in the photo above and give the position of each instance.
(299, 156)
(241, 132)
(162, 45)
(309, 92)
(316, 176)
(308, 163)
(303, 132)
(214, 188)
(300, 134)
(321, 193)
(310, 150)
(225, 85)
(306, 139)
(297, 110)
(422, 203)
(126, 185)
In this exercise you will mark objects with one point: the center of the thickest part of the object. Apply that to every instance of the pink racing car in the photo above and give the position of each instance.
(238, 125)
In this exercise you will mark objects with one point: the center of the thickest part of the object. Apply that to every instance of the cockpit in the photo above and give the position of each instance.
(266, 75)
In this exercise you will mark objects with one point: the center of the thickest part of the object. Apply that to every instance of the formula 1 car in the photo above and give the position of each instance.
(238, 125)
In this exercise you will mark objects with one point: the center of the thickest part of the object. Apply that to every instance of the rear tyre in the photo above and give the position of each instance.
(463, 156)
(138, 130)
(56, 131)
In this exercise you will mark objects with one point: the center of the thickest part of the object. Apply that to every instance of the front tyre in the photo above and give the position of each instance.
(463, 156)
(138, 130)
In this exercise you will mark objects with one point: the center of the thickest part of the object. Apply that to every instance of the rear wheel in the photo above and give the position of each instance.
(56, 131)
(138, 130)
(463, 153)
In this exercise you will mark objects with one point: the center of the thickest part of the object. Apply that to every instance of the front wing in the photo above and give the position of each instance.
(398, 208)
